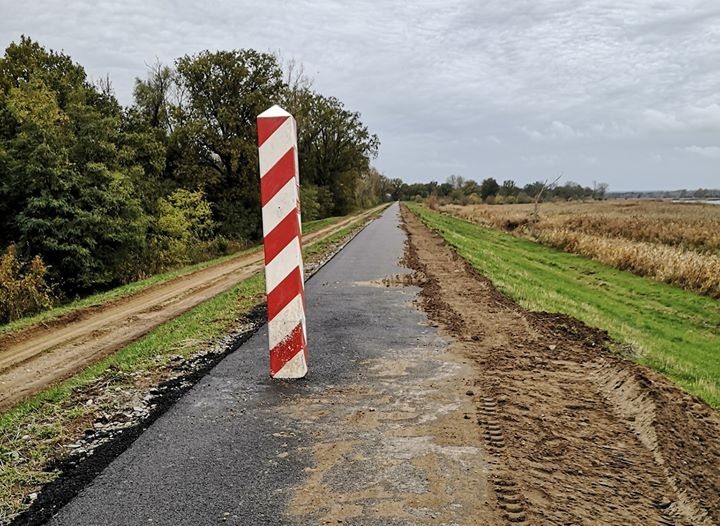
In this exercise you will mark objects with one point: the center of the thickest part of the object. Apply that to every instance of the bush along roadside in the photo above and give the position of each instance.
(55, 443)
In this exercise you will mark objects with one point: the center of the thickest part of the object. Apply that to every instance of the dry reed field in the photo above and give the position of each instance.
(671, 242)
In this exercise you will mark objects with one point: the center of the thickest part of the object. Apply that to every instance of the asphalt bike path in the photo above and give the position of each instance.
(240, 448)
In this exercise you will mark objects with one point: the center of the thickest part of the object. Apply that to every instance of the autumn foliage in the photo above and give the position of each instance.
(23, 289)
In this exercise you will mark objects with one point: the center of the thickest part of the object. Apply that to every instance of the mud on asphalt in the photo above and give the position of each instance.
(576, 434)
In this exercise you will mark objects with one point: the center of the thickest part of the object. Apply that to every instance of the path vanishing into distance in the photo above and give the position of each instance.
(44, 354)
(431, 399)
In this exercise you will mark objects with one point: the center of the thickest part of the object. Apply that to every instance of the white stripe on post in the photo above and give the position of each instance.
(280, 196)
(275, 211)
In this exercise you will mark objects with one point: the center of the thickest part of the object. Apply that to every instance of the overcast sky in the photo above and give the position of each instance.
(626, 92)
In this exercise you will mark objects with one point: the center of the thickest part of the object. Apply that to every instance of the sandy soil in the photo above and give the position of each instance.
(42, 355)
(398, 448)
(573, 434)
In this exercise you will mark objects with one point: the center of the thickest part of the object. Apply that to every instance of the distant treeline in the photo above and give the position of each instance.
(94, 194)
(700, 193)
(467, 191)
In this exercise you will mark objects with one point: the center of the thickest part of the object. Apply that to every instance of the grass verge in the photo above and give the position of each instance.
(671, 330)
(39, 430)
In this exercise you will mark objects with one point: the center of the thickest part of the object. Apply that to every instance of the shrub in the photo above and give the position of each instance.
(474, 199)
(184, 221)
(523, 198)
(23, 289)
(309, 202)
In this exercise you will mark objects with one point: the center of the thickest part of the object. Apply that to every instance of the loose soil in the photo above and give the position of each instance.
(398, 447)
(573, 433)
(37, 357)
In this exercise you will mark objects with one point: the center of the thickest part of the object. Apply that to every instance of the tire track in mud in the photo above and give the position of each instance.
(578, 435)
(509, 494)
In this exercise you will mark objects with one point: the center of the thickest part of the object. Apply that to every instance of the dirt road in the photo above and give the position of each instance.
(34, 358)
(574, 433)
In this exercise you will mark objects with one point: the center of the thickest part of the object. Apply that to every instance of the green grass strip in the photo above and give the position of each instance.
(672, 330)
(180, 336)
(44, 417)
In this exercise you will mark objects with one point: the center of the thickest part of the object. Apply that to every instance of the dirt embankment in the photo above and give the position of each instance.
(32, 359)
(575, 433)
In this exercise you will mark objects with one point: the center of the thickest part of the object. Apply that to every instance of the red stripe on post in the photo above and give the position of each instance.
(286, 350)
(281, 235)
(277, 151)
(277, 176)
(267, 126)
(289, 288)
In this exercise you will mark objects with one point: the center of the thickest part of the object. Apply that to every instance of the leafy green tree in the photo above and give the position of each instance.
(104, 194)
(66, 197)
(489, 187)
(370, 188)
(142, 152)
(335, 148)
(508, 188)
(153, 97)
(470, 187)
(534, 189)
(310, 202)
(184, 220)
(445, 189)
(224, 92)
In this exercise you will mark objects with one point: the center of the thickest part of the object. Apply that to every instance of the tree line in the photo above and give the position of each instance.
(468, 191)
(94, 194)
(699, 193)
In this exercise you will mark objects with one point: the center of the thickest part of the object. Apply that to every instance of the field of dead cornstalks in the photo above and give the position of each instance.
(674, 243)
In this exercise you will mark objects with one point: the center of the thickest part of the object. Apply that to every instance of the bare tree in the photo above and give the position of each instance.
(456, 181)
(535, 216)
(104, 86)
(299, 85)
(599, 190)
(154, 96)
(602, 190)
(295, 76)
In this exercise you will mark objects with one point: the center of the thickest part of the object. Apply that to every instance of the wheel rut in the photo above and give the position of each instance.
(509, 495)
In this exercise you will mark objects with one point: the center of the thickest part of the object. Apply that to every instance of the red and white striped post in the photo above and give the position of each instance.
(284, 276)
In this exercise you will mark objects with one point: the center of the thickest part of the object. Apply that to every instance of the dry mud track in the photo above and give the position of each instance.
(32, 359)
(573, 433)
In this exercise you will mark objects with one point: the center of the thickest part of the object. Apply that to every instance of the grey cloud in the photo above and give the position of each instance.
(712, 152)
(597, 89)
